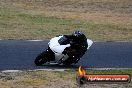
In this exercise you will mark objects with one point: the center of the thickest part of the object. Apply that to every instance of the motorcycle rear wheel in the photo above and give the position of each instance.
(41, 59)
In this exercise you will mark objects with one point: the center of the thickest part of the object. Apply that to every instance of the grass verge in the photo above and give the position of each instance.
(38, 20)
(50, 79)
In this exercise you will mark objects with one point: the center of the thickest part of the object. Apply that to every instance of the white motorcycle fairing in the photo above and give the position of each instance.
(58, 49)
(90, 42)
(57, 53)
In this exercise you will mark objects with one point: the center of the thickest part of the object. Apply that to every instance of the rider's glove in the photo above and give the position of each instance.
(64, 52)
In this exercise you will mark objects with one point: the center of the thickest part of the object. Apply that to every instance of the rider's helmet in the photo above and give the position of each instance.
(77, 33)
(78, 36)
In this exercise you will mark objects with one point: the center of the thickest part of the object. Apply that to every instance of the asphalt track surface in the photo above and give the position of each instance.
(20, 55)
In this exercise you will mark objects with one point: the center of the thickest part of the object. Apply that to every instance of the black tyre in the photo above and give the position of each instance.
(41, 59)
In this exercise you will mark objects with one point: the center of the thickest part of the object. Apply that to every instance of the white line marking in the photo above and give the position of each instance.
(61, 70)
(35, 40)
(7, 71)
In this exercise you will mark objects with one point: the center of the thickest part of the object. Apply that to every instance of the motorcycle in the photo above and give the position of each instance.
(55, 52)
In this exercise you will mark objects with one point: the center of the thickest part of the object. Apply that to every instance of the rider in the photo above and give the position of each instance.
(78, 42)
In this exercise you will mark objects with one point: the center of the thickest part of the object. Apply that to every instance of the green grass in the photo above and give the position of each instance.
(19, 25)
(26, 26)
(72, 73)
(52, 78)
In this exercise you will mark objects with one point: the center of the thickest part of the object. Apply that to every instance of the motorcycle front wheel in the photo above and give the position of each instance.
(41, 59)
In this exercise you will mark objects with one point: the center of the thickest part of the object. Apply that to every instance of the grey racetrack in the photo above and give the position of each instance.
(20, 55)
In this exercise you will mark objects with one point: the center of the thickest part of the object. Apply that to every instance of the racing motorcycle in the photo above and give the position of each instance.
(60, 53)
